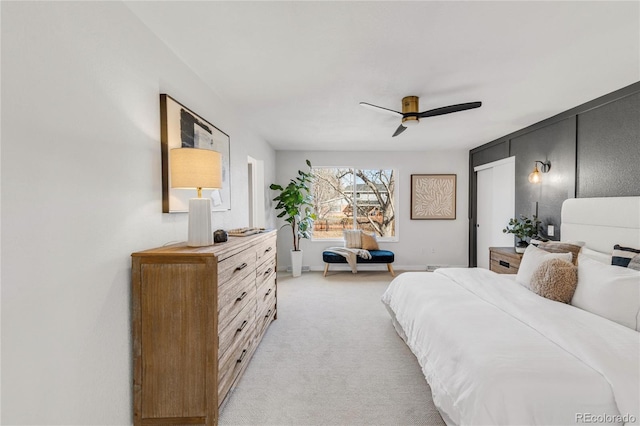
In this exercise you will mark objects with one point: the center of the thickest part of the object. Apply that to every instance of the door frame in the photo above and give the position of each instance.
(255, 178)
(492, 165)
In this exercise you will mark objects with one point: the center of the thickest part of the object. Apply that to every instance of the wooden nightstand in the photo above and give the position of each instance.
(504, 260)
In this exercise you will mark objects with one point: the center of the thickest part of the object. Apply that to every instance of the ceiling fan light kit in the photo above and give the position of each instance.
(410, 111)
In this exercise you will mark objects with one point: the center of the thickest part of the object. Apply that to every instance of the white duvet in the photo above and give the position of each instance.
(495, 353)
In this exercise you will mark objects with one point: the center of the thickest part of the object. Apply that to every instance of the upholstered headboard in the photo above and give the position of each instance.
(602, 222)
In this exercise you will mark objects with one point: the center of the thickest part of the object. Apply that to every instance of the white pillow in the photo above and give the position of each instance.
(596, 255)
(352, 238)
(609, 291)
(531, 260)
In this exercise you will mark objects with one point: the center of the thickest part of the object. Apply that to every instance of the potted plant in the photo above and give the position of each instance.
(522, 228)
(295, 201)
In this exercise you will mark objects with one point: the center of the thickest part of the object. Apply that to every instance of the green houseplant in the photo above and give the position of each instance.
(522, 228)
(295, 203)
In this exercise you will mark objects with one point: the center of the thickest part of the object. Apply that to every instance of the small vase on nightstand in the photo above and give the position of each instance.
(522, 229)
(521, 246)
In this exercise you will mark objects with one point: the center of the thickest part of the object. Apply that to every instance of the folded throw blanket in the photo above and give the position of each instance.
(350, 254)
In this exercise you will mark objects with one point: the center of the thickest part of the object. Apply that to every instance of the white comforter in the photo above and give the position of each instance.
(494, 352)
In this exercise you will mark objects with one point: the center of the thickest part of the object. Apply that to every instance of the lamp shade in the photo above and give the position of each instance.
(195, 168)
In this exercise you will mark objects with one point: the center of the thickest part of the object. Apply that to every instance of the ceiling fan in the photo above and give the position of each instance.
(411, 116)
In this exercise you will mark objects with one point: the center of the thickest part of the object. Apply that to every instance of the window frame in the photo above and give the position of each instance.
(396, 198)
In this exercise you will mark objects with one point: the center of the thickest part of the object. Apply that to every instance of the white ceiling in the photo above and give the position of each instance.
(297, 70)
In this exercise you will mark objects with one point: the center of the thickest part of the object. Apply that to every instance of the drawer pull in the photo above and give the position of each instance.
(268, 314)
(244, 324)
(268, 250)
(268, 292)
(242, 296)
(503, 263)
(268, 271)
(244, 352)
(241, 267)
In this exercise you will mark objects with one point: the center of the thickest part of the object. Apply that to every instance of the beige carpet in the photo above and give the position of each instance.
(332, 358)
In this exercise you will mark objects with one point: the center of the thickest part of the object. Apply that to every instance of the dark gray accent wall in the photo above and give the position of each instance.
(493, 152)
(608, 151)
(555, 143)
(594, 151)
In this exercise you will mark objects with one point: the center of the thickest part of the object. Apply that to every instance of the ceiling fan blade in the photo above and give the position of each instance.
(449, 109)
(381, 109)
(399, 130)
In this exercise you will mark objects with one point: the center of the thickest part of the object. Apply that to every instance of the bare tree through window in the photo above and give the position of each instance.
(348, 198)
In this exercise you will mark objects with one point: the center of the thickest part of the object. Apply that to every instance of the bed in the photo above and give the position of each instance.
(495, 352)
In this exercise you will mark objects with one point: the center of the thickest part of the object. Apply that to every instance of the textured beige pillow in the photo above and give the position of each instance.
(555, 279)
(560, 247)
(531, 260)
(369, 242)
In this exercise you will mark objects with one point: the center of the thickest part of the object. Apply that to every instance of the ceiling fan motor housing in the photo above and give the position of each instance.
(410, 106)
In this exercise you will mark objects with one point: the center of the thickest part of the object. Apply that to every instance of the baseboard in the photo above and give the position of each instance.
(304, 268)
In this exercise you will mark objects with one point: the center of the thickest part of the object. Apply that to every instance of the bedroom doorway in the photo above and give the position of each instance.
(496, 205)
(255, 171)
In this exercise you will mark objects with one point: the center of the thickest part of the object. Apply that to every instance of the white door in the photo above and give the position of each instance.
(496, 205)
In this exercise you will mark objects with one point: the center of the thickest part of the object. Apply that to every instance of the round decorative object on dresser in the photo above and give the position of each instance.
(220, 236)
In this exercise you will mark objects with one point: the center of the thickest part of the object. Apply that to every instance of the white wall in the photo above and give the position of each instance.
(81, 191)
(421, 242)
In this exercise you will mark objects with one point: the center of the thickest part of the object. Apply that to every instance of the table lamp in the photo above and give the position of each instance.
(197, 168)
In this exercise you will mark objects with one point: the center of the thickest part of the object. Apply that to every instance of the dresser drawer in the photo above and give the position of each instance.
(231, 366)
(265, 294)
(234, 333)
(265, 318)
(504, 260)
(502, 267)
(233, 269)
(265, 271)
(266, 250)
(234, 299)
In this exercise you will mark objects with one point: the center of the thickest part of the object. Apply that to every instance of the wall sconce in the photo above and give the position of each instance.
(545, 166)
(197, 168)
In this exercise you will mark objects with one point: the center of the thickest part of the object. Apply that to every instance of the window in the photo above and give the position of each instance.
(349, 198)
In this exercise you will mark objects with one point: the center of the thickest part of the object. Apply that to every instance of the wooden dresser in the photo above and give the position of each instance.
(504, 260)
(199, 314)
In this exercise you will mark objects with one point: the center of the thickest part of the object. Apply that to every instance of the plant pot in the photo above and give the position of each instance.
(296, 263)
(521, 246)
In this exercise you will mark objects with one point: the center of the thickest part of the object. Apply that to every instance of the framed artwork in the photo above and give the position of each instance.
(182, 128)
(433, 197)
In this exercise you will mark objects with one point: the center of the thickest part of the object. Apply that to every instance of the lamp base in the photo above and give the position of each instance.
(200, 231)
